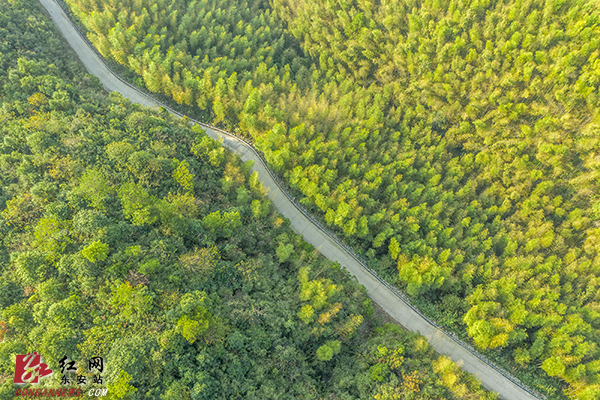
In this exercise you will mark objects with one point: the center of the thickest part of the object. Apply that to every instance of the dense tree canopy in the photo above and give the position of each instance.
(126, 234)
(455, 144)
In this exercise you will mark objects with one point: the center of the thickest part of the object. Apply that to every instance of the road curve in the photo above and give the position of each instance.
(395, 306)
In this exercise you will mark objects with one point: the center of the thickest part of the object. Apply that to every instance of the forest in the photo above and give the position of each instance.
(130, 235)
(453, 144)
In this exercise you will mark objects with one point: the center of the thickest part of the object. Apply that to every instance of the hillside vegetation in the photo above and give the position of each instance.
(454, 144)
(126, 234)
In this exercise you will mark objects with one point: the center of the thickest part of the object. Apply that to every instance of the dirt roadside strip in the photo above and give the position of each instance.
(491, 377)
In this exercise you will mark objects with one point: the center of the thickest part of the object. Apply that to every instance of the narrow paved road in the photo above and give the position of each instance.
(390, 302)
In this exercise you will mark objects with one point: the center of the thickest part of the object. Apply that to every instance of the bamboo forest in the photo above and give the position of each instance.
(454, 145)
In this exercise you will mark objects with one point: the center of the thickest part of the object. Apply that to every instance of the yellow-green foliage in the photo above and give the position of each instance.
(184, 177)
(316, 291)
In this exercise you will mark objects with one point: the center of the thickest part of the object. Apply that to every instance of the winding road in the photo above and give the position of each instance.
(491, 377)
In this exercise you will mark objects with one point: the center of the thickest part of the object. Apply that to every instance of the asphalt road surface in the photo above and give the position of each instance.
(390, 302)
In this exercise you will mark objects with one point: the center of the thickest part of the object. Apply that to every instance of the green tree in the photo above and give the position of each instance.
(421, 273)
(194, 319)
(94, 187)
(328, 350)
(554, 366)
(30, 267)
(51, 237)
(394, 248)
(284, 251)
(222, 224)
(122, 389)
(184, 177)
(137, 204)
(130, 301)
(95, 251)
